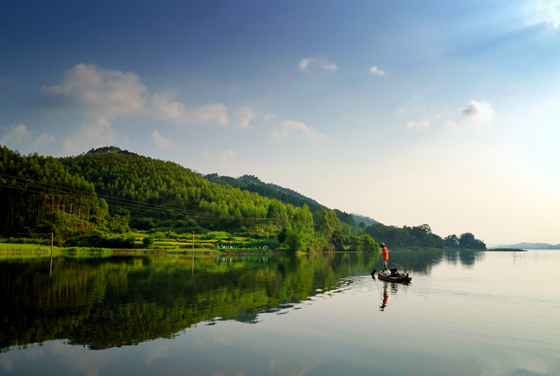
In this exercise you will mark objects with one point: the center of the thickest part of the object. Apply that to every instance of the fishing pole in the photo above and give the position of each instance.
(374, 270)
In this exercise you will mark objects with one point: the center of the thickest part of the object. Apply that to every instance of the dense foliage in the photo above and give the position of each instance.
(253, 184)
(39, 193)
(421, 236)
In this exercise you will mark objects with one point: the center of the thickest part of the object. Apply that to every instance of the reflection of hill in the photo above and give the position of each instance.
(117, 301)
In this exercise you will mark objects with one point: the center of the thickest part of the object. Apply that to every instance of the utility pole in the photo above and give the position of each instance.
(52, 241)
(192, 264)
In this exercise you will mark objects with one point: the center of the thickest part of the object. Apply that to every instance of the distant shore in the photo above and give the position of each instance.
(42, 250)
(415, 249)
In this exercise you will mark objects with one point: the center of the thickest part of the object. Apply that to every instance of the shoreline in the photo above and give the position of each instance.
(36, 249)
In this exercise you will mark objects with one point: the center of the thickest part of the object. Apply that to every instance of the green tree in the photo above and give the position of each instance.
(368, 244)
(148, 241)
(451, 241)
(338, 240)
(326, 223)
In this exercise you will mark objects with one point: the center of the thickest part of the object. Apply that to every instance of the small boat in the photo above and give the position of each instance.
(395, 278)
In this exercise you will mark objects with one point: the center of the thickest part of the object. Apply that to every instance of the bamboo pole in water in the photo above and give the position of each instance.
(52, 241)
(192, 264)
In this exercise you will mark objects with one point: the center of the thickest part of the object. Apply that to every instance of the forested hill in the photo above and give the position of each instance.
(254, 184)
(97, 194)
(287, 196)
(251, 179)
(161, 193)
(110, 192)
(38, 192)
(367, 220)
(110, 149)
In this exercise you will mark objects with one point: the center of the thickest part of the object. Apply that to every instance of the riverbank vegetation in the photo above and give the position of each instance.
(114, 199)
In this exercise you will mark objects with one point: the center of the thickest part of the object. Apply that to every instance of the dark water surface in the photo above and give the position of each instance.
(469, 313)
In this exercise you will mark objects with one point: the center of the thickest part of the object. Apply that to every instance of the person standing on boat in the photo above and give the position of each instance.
(385, 255)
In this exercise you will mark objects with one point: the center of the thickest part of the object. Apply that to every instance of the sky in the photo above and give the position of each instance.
(409, 112)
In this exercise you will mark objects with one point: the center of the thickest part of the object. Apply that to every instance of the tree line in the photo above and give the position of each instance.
(109, 192)
(421, 236)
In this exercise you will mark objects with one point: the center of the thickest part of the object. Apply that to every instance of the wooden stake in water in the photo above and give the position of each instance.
(192, 267)
(52, 241)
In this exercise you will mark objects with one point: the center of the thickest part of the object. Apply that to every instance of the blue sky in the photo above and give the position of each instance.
(409, 112)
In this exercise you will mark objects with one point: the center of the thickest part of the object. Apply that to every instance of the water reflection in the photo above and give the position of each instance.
(494, 319)
(385, 298)
(393, 288)
(103, 302)
(421, 262)
(125, 300)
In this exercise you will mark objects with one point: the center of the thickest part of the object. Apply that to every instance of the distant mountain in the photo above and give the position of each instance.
(529, 246)
(110, 149)
(367, 220)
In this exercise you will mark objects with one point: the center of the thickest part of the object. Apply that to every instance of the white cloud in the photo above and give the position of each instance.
(43, 139)
(331, 67)
(289, 127)
(20, 136)
(106, 94)
(15, 134)
(215, 114)
(545, 11)
(212, 114)
(477, 111)
(209, 114)
(244, 115)
(93, 132)
(226, 155)
(279, 135)
(304, 63)
(376, 70)
(315, 61)
(269, 117)
(173, 111)
(417, 125)
(163, 143)
(451, 124)
(102, 93)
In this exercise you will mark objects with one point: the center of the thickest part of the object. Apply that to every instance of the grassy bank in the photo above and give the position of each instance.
(141, 242)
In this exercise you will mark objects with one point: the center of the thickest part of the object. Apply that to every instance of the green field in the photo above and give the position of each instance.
(160, 242)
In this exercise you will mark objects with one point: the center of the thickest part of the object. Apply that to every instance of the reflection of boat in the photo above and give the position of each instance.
(398, 278)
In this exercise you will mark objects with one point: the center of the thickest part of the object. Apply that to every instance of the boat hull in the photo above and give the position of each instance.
(397, 279)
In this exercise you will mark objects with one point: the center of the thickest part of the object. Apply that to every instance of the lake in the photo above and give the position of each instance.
(465, 313)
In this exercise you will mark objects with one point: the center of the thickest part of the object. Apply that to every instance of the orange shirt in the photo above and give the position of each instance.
(385, 253)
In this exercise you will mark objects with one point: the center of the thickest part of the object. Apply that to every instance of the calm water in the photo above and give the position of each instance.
(487, 313)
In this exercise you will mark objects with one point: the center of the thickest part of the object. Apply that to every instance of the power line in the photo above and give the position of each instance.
(61, 190)
(147, 207)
